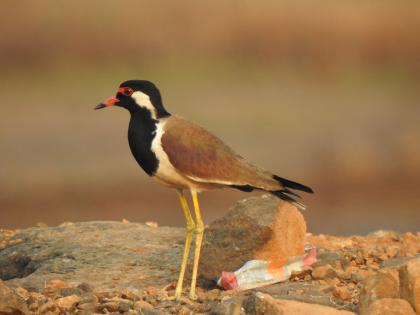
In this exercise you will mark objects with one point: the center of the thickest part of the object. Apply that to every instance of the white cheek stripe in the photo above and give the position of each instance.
(143, 100)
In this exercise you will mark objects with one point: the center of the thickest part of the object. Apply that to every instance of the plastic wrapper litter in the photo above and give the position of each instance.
(257, 273)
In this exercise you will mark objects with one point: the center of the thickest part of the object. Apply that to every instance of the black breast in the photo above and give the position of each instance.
(141, 132)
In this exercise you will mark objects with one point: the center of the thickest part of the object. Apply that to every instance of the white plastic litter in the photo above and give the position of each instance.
(256, 273)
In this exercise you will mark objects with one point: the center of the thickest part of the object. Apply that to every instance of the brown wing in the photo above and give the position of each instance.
(203, 157)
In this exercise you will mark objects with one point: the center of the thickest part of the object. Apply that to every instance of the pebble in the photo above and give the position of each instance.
(88, 306)
(109, 306)
(88, 298)
(348, 272)
(342, 293)
(230, 306)
(85, 287)
(323, 272)
(70, 291)
(57, 284)
(66, 303)
(142, 304)
(208, 295)
(183, 310)
(23, 293)
(48, 306)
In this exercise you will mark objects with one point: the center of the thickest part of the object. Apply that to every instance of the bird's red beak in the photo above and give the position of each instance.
(107, 103)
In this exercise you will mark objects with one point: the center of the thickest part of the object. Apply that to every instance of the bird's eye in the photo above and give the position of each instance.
(127, 91)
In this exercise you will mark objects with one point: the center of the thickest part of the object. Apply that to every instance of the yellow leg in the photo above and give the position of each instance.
(198, 239)
(188, 239)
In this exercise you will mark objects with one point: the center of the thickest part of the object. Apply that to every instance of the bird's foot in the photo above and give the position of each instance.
(172, 298)
(193, 297)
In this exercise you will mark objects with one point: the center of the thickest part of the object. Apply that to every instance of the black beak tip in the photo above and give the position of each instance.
(99, 106)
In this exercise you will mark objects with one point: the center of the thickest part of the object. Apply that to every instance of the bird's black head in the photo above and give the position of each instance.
(136, 95)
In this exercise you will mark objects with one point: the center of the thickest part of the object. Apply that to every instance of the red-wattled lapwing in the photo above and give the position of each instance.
(182, 155)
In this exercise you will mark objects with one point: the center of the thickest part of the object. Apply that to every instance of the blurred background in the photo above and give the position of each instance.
(322, 92)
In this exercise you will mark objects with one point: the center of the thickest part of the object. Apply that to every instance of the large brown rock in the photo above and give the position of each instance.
(389, 307)
(11, 302)
(107, 255)
(264, 304)
(410, 283)
(383, 284)
(255, 228)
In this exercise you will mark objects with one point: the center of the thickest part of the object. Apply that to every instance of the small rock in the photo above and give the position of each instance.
(389, 307)
(255, 228)
(230, 306)
(411, 244)
(57, 284)
(11, 302)
(49, 306)
(183, 310)
(34, 308)
(85, 287)
(152, 224)
(360, 275)
(23, 293)
(302, 292)
(124, 307)
(109, 306)
(385, 233)
(381, 285)
(130, 294)
(104, 296)
(142, 304)
(70, 291)
(153, 291)
(67, 303)
(333, 281)
(264, 304)
(208, 295)
(89, 306)
(151, 311)
(326, 257)
(342, 293)
(88, 298)
(323, 272)
(410, 283)
(348, 272)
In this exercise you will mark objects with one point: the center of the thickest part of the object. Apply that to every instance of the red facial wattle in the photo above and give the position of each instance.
(113, 100)
(110, 101)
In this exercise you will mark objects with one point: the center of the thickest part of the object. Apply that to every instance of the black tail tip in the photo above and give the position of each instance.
(293, 185)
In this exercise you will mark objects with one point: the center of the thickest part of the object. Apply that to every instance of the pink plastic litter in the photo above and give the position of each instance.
(257, 273)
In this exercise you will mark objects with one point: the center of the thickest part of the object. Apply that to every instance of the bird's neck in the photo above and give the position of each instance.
(141, 132)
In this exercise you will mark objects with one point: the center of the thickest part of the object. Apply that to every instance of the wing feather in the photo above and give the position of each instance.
(203, 157)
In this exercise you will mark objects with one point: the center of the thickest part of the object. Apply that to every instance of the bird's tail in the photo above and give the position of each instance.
(289, 195)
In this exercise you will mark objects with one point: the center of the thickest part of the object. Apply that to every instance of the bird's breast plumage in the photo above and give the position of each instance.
(141, 133)
(166, 173)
